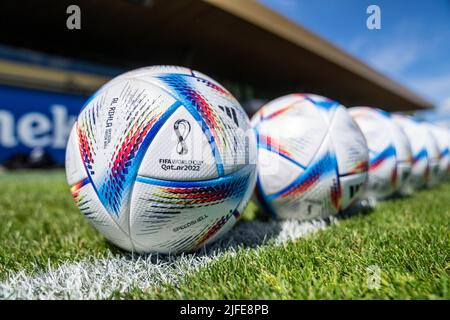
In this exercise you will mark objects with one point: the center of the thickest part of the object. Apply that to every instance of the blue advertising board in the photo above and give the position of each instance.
(32, 119)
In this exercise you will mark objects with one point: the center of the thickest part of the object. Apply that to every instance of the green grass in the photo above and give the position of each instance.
(39, 223)
(408, 239)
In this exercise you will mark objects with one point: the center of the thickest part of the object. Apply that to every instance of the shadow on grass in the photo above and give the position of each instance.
(264, 229)
(248, 234)
(121, 271)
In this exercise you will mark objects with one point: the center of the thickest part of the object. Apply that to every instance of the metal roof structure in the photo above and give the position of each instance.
(239, 41)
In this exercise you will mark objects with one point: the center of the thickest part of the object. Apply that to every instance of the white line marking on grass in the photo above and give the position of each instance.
(98, 278)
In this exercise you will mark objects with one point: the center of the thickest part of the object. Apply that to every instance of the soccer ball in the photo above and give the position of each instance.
(442, 138)
(312, 157)
(424, 171)
(162, 159)
(390, 158)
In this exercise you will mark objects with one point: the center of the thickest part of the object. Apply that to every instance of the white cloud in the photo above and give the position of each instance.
(444, 106)
(392, 52)
(395, 58)
(400, 53)
(439, 115)
(436, 87)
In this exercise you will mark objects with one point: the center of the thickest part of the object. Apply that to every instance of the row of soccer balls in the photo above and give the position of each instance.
(313, 160)
(164, 159)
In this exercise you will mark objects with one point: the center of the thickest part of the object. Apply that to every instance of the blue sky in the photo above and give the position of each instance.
(412, 46)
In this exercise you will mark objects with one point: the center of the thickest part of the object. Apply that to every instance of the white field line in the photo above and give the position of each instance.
(94, 278)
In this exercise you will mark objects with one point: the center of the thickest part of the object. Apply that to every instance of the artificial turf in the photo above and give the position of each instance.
(408, 239)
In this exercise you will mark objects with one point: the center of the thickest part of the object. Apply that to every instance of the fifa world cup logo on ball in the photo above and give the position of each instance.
(145, 194)
(182, 129)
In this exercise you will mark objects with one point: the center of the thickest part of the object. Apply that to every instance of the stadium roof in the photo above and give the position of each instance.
(237, 40)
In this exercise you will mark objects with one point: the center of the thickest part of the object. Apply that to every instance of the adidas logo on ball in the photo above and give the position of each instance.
(162, 159)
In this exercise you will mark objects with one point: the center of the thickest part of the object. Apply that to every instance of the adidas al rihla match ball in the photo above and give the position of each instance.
(312, 157)
(442, 138)
(162, 159)
(425, 163)
(390, 157)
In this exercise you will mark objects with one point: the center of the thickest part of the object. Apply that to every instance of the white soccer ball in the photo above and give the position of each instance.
(390, 157)
(442, 137)
(162, 159)
(312, 157)
(425, 165)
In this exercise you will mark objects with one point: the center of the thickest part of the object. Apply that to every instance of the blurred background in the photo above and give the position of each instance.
(259, 50)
